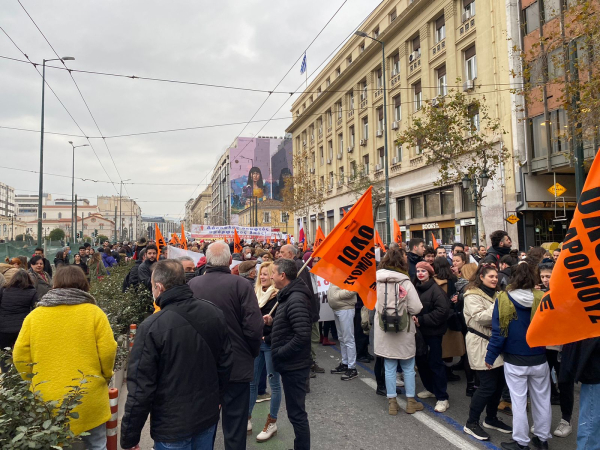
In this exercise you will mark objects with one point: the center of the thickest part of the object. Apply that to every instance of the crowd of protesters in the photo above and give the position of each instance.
(239, 320)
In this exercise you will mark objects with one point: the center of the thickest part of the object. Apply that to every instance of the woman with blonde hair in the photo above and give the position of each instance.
(266, 293)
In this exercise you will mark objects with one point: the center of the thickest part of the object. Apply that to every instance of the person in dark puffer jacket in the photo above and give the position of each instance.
(17, 299)
(290, 345)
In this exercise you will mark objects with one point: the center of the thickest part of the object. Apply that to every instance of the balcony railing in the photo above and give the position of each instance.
(438, 48)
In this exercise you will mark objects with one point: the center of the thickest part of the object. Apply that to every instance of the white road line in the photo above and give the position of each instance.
(455, 439)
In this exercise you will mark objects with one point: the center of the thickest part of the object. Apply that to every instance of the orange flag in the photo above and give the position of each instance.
(174, 239)
(397, 232)
(160, 240)
(288, 239)
(348, 252)
(570, 311)
(319, 238)
(379, 241)
(183, 239)
(305, 245)
(268, 240)
(237, 246)
(434, 241)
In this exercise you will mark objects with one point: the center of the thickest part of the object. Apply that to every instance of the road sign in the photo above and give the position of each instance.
(512, 219)
(557, 189)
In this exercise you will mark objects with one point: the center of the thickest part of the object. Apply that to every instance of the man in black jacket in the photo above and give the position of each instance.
(290, 345)
(133, 277)
(416, 248)
(236, 298)
(145, 270)
(179, 366)
(501, 244)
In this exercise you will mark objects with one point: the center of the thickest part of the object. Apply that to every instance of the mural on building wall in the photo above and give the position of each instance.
(258, 169)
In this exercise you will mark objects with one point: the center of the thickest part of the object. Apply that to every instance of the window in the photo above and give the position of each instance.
(440, 29)
(321, 154)
(418, 148)
(327, 82)
(366, 165)
(101, 226)
(329, 118)
(379, 78)
(473, 118)
(393, 15)
(381, 157)
(341, 180)
(432, 204)
(399, 152)
(352, 136)
(267, 216)
(442, 86)
(467, 200)
(351, 99)
(330, 151)
(532, 17)
(353, 169)
(43, 215)
(470, 63)
(330, 221)
(447, 201)
(536, 73)
(416, 46)
(556, 64)
(330, 180)
(365, 124)
(418, 95)
(538, 133)
(551, 9)
(60, 215)
(379, 119)
(318, 91)
(468, 9)
(349, 60)
(401, 207)
(341, 143)
(338, 72)
(558, 122)
(397, 108)
(340, 109)
(416, 207)
(363, 94)
(361, 47)
(376, 33)
(395, 64)
(323, 182)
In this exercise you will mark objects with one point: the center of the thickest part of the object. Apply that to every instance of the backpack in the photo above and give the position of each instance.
(394, 315)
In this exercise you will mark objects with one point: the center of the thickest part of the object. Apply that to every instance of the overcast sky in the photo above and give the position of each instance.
(246, 43)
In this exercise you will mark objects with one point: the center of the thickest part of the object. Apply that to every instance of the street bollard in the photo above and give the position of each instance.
(111, 425)
(132, 331)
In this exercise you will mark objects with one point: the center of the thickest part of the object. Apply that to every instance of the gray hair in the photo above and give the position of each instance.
(169, 273)
(293, 249)
(185, 258)
(218, 254)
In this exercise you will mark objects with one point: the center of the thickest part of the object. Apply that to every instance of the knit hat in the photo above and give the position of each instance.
(247, 266)
(426, 266)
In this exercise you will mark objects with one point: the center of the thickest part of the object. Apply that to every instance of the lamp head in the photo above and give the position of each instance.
(71, 142)
(361, 33)
(466, 182)
(67, 58)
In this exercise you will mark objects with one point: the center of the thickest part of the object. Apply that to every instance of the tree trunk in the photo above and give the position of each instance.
(481, 236)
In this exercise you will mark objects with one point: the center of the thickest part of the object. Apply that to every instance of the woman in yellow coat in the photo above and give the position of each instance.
(65, 334)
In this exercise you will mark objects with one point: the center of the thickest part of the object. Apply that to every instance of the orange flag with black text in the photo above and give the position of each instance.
(319, 238)
(237, 246)
(397, 233)
(570, 310)
(183, 239)
(348, 252)
(160, 240)
(434, 241)
(174, 239)
(379, 241)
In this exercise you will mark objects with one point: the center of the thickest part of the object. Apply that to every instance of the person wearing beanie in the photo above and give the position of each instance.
(431, 323)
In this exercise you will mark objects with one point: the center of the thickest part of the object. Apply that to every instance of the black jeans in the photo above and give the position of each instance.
(432, 369)
(565, 389)
(491, 384)
(235, 415)
(328, 326)
(360, 338)
(294, 388)
(7, 340)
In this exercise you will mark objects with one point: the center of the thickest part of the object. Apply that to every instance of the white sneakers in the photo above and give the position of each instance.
(441, 406)
(249, 429)
(267, 433)
(425, 394)
(564, 429)
(399, 379)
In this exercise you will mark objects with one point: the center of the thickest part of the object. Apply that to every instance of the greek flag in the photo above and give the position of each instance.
(303, 66)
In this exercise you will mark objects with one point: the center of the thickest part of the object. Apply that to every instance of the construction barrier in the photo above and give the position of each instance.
(111, 425)
(132, 331)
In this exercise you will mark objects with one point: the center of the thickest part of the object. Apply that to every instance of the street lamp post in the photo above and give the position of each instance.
(73, 213)
(468, 182)
(385, 134)
(41, 187)
(121, 211)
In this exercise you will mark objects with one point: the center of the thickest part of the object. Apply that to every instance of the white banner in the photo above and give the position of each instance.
(326, 313)
(174, 253)
(226, 232)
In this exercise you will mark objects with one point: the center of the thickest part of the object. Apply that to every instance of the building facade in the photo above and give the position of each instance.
(338, 122)
(7, 200)
(166, 227)
(271, 213)
(27, 204)
(220, 211)
(11, 227)
(200, 209)
(127, 210)
(90, 222)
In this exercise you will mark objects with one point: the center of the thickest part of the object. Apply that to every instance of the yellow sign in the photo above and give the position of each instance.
(512, 219)
(557, 189)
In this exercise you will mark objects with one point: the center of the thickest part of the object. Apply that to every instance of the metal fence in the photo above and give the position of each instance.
(10, 249)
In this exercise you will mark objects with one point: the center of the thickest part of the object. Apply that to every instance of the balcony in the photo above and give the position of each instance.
(395, 81)
(466, 28)
(329, 131)
(414, 62)
(416, 161)
(351, 112)
(438, 49)
(378, 93)
(339, 122)
(320, 134)
(363, 104)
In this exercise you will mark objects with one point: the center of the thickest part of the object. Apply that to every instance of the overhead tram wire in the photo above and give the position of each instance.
(61, 103)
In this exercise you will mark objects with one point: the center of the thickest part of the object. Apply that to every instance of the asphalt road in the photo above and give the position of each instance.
(349, 415)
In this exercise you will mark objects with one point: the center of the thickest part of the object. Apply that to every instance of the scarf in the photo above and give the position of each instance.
(265, 296)
(507, 311)
(66, 296)
(502, 250)
(490, 292)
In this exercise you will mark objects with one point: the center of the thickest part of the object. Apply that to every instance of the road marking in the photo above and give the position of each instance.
(429, 422)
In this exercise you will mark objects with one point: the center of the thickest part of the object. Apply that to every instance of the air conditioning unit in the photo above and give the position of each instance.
(311, 170)
(340, 155)
(411, 57)
(394, 160)
(328, 161)
(435, 102)
(395, 125)
(468, 85)
(377, 167)
(350, 149)
(363, 142)
(379, 133)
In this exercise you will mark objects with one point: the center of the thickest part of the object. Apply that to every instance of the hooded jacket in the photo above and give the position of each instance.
(145, 273)
(433, 317)
(15, 305)
(340, 299)
(292, 328)
(413, 259)
(236, 298)
(494, 254)
(177, 370)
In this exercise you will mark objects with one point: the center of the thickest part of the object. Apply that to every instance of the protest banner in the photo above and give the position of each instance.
(570, 310)
(174, 253)
(226, 232)
(325, 313)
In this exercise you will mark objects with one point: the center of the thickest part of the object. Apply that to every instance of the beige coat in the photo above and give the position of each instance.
(340, 299)
(478, 311)
(392, 345)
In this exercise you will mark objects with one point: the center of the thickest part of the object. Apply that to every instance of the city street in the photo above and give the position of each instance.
(349, 415)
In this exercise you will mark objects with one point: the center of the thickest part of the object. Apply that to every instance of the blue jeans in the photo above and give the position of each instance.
(205, 440)
(391, 367)
(96, 439)
(264, 357)
(589, 417)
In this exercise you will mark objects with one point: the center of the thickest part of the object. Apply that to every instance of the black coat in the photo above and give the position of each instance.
(176, 373)
(47, 267)
(315, 306)
(581, 362)
(15, 304)
(267, 329)
(236, 298)
(503, 277)
(433, 317)
(494, 254)
(292, 328)
(145, 273)
(413, 259)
